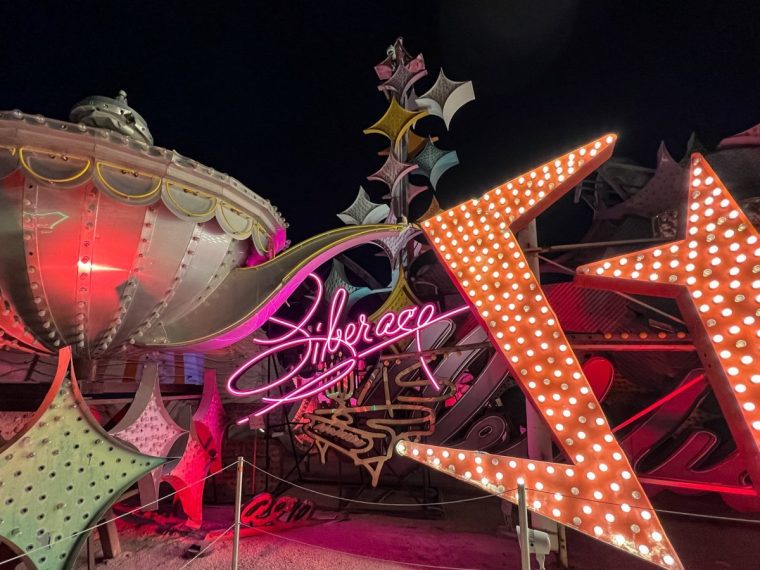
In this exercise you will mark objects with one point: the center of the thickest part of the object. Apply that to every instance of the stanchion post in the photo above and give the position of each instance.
(522, 509)
(538, 435)
(238, 506)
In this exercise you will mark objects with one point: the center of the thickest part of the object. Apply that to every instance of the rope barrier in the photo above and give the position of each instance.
(659, 511)
(335, 497)
(375, 503)
(663, 511)
(90, 529)
(580, 498)
(205, 548)
(712, 517)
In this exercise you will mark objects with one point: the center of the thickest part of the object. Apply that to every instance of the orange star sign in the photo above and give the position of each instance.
(714, 274)
(597, 492)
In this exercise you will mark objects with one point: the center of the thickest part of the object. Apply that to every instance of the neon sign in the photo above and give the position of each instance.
(335, 350)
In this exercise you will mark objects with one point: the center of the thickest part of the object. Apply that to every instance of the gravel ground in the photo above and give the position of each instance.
(363, 541)
(470, 536)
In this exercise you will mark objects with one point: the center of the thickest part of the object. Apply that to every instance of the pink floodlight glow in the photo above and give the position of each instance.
(335, 341)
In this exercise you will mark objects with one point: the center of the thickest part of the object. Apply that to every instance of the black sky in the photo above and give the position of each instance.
(277, 93)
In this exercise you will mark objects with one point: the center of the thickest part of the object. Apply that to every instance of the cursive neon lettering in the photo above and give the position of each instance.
(338, 341)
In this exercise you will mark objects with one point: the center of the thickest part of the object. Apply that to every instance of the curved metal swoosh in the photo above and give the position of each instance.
(250, 295)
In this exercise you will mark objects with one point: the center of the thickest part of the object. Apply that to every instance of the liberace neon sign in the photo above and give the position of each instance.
(337, 351)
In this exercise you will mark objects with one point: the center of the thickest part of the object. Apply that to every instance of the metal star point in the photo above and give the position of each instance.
(71, 472)
(714, 274)
(597, 493)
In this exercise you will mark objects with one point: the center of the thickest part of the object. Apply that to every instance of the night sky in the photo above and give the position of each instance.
(277, 93)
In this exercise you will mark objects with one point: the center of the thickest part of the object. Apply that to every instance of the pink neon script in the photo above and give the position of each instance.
(317, 348)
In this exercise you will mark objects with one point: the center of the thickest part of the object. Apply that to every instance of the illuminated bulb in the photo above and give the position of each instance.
(555, 381)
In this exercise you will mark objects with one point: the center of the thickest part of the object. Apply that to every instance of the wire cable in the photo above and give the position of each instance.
(711, 517)
(374, 503)
(209, 545)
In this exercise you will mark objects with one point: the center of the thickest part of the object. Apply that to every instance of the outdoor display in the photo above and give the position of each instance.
(50, 489)
(597, 492)
(400, 347)
(714, 272)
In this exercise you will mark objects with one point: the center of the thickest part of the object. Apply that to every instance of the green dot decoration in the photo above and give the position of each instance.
(60, 474)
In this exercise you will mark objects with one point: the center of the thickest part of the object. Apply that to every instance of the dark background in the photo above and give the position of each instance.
(277, 93)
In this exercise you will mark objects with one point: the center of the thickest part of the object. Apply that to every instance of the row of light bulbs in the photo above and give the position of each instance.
(476, 241)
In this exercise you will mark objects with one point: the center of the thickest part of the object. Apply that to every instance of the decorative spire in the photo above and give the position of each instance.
(409, 151)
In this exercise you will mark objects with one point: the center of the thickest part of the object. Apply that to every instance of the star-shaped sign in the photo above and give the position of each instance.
(434, 162)
(714, 274)
(148, 427)
(203, 452)
(61, 473)
(392, 172)
(597, 493)
(402, 79)
(364, 211)
(446, 97)
(395, 122)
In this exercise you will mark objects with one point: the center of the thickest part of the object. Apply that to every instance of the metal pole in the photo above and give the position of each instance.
(538, 435)
(623, 295)
(254, 460)
(238, 506)
(522, 510)
(564, 560)
(596, 244)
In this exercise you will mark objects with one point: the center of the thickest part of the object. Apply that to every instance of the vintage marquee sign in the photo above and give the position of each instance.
(597, 493)
(334, 349)
(714, 273)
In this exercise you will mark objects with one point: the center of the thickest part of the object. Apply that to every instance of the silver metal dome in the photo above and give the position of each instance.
(104, 235)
